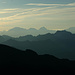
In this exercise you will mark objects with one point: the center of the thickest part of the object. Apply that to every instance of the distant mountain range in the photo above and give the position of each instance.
(60, 44)
(72, 30)
(17, 31)
(13, 59)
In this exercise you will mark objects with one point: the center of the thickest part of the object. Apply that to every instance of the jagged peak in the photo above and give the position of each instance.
(42, 28)
(63, 32)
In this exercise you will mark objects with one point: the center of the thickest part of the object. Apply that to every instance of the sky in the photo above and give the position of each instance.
(52, 14)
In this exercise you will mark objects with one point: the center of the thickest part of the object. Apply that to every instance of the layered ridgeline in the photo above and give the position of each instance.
(17, 31)
(60, 44)
(11, 57)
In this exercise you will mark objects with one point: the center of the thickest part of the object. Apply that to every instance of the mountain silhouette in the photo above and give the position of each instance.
(71, 29)
(43, 29)
(34, 38)
(22, 60)
(64, 34)
(17, 31)
(61, 44)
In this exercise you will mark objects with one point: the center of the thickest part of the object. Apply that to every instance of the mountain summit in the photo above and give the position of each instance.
(71, 29)
(64, 32)
(42, 28)
(17, 31)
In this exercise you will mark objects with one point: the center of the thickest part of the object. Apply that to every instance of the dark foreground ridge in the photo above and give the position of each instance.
(11, 58)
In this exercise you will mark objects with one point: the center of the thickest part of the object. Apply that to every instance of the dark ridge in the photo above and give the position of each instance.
(17, 61)
(61, 44)
(63, 32)
(30, 52)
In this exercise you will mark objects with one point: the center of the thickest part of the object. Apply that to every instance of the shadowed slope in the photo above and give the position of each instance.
(21, 61)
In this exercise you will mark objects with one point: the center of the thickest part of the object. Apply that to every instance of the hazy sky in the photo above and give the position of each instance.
(52, 14)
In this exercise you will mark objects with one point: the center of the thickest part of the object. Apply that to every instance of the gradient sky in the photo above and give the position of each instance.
(52, 14)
